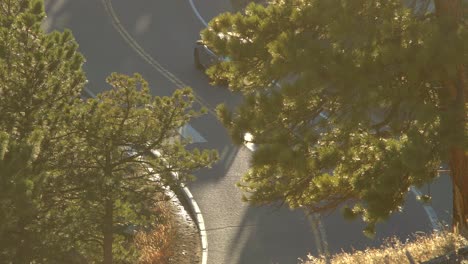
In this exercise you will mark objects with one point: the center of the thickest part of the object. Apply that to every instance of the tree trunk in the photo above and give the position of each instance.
(449, 13)
(459, 168)
(108, 231)
(459, 160)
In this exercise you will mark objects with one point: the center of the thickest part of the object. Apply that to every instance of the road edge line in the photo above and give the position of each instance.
(195, 10)
(196, 213)
(430, 212)
(199, 221)
(140, 51)
(193, 206)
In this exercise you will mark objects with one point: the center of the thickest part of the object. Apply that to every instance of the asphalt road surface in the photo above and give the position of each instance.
(165, 32)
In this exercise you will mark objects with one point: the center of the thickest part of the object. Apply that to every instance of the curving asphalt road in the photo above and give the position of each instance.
(237, 233)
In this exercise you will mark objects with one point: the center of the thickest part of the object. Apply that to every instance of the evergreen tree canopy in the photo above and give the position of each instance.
(346, 100)
(75, 173)
(40, 80)
(40, 74)
(17, 197)
(113, 176)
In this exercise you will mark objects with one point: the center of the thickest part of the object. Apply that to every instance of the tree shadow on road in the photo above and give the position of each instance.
(266, 235)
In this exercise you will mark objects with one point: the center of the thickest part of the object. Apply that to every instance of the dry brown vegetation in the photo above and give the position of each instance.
(157, 245)
(174, 239)
(422, 248)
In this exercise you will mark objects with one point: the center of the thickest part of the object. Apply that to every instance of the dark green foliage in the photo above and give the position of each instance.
(114, 178)
(376, 69)
(71, 171)
(31, 93)
(40, 80)
(16, 193)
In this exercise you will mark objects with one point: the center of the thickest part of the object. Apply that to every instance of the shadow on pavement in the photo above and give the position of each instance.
(237, 233)
(270, 235)
(103, 48)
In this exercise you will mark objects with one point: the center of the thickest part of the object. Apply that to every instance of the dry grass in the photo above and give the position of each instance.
(156, 246)
(423, 248)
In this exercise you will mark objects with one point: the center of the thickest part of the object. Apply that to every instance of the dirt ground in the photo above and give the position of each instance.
(187, 248)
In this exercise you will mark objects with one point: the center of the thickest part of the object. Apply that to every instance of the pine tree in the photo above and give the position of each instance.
(359, 100)
(40, 80)
(40, 73)
(115, 177)
(17, 205)
(76, 174)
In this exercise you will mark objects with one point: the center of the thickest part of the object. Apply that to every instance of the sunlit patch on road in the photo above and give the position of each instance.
(188, 132)
(142, 24)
